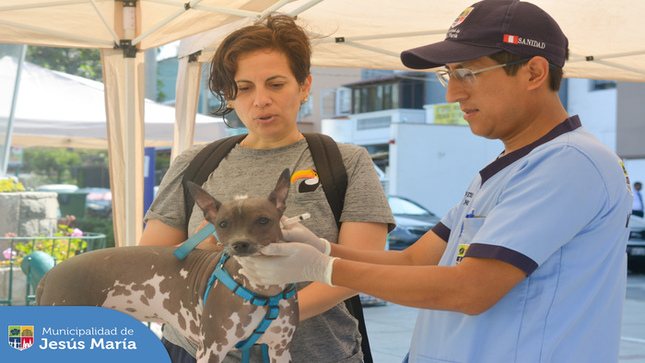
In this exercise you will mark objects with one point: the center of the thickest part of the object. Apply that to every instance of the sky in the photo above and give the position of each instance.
(168, 51)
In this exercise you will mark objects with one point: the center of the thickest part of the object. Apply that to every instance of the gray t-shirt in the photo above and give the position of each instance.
(329, 337)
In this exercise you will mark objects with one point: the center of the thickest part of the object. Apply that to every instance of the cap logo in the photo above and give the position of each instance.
(514, 39)
(464, 14)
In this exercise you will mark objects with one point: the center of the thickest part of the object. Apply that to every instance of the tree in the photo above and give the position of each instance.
(80, 62)
(77, 61)
(56, 164)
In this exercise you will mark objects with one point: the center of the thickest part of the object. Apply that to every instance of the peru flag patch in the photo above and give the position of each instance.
(510, 38)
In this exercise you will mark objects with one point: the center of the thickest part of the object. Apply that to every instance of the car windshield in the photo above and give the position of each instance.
(402, 206)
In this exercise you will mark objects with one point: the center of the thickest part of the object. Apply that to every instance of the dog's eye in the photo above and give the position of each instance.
(264, 220)
(223, 224)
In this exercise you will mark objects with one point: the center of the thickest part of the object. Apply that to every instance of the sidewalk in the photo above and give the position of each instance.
(390, 329)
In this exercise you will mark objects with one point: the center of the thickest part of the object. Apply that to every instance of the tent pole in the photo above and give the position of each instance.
(304, 7)
(130, 147)
(12, 112)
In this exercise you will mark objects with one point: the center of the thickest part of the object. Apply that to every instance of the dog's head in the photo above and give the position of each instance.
(245, 225)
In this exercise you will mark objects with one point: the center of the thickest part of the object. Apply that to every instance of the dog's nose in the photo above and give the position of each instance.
(241, 247)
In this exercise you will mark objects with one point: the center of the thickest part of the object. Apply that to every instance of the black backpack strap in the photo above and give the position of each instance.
(333, 177)
(331, 170)
(203, 165)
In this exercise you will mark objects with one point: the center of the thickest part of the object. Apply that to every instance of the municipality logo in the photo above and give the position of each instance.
(21, 337)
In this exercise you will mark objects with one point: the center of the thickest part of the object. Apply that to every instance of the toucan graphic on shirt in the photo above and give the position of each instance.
(310, 180)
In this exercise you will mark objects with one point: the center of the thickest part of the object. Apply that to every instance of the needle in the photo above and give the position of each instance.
(296, 219)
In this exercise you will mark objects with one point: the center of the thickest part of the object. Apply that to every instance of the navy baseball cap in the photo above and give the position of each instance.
(492, 26)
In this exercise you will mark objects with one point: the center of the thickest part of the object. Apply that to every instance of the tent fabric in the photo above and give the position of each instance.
(133, 26)
(61, 110)
(604, 36)
(97, 24)
(189, 78)
(606, 40)
(125, 110)
(56, 109)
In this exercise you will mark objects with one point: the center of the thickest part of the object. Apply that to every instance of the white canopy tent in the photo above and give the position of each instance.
(605, 36)
(122, 29)
(605, 39)
(61, 110)
(606, 42)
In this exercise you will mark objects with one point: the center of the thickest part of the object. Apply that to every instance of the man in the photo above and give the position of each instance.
(637, 206)
(529, 266)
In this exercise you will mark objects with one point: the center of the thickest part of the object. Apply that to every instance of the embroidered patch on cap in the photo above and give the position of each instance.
(464, 14)
(510, 38)
(514, 39)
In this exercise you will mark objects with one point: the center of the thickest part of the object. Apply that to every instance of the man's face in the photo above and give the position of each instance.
(493, 105)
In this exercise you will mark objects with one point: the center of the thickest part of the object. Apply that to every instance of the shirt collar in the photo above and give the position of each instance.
(499, 164)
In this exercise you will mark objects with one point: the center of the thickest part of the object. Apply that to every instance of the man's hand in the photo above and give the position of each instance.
(296, 232)
(283, 263)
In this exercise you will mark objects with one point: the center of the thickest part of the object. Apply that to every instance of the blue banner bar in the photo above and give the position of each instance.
(76, 334)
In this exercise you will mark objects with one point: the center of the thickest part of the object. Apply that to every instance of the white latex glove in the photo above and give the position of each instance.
(284, 263)
(296, 232)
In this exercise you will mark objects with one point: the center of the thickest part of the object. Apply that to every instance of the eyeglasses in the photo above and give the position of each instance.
(467, 74)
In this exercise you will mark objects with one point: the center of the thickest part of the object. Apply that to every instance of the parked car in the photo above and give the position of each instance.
(636, 245)
(62, 188)
(412, 222)
(98, 202)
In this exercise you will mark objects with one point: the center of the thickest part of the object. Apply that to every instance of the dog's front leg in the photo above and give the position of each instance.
(211, 354)
(211, 350)
(280, 355)
(279, 338)
(213, 346)
(221, 324)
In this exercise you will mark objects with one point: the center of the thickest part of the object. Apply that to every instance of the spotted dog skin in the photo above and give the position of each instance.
(150, 284)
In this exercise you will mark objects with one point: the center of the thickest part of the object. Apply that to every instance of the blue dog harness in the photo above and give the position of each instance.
(189, 245)
(271, 302)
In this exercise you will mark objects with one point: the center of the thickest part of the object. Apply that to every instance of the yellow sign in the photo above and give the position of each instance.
(449, 114)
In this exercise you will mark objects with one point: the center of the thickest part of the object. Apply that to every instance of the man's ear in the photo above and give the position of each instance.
(538, 72)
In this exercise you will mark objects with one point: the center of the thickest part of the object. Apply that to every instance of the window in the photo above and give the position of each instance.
(306, 108)
(598, 85)
(343, 101)
(386, 96)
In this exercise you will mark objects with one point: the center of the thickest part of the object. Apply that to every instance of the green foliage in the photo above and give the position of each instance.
(162, 161)
(80, 62)
(59, 248)
(161, 95)
(10, 185)
(55, 164)
(98, 225)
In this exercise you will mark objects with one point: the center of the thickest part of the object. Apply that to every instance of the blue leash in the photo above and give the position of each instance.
(220, 273)
(189, 245)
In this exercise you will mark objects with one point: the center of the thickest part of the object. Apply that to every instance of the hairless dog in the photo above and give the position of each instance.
(193, 294)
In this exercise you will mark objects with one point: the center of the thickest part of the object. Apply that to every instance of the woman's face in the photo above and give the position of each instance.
(269, 96)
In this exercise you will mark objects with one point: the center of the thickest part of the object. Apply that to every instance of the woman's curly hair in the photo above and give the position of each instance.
(277, 32)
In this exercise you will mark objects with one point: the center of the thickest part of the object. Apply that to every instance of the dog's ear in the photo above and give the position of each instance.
(205, 201)
(279, 195)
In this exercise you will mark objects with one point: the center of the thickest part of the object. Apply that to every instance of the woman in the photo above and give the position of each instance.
(262, 71)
